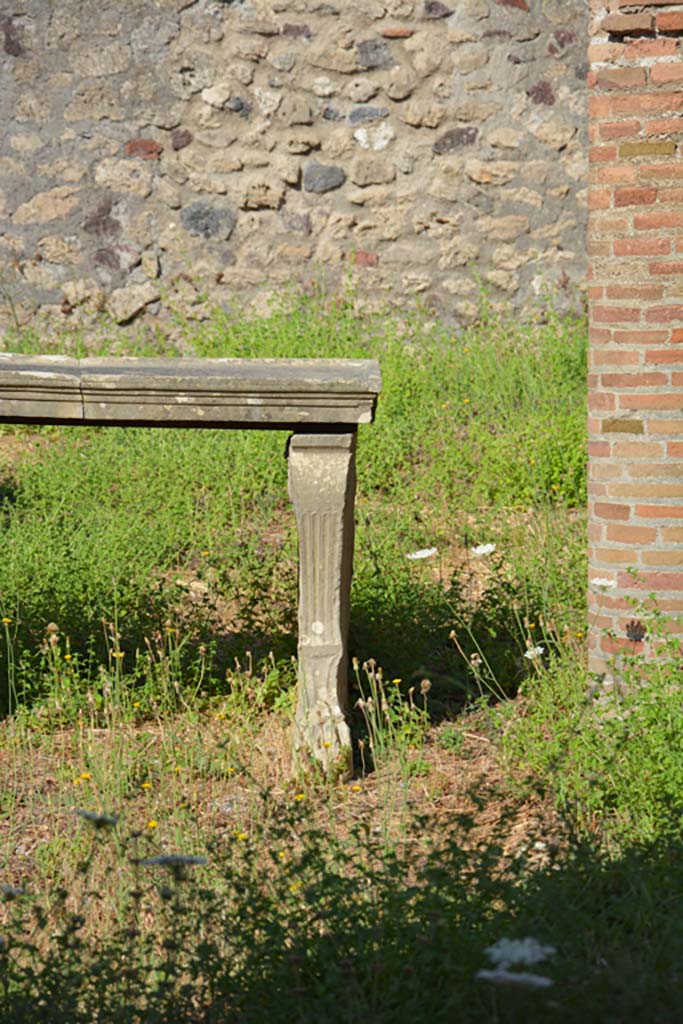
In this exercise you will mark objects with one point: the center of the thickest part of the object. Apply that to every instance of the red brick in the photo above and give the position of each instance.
(616, 314)
(599, 53)
(664, 356)
(599, 199)
(677, 380)
(657, 219)
(599, 335)
(638, 450)
(611, 511)
(640, 337)
(650, 48)
(609, 227)
(667, 400)
(643, 379)
(633, 491)
(674, 449)
(613, 357)
(663, 314)
(655, 581)
(605, 469)
(660, 74)
(595, 248)
(617, 174)
(645, 102)
(614, 556)
(620, 534)
(599, 449)
(670, 195)
(627, 24)
(663, 126)
(621, 78)
(601, 154)
(660, 172)
(659, 511)
(664, 470)
(667, 426)
(669, 267)
(600, 401)
(642, 247)
(620, 129)
(635, 196)
(670, 21)
(677, 336)
(633, 291)
(599, 106)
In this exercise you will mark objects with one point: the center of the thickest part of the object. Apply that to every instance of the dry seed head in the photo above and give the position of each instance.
(425, 687)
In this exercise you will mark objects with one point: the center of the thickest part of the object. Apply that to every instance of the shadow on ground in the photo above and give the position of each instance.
(352, 931)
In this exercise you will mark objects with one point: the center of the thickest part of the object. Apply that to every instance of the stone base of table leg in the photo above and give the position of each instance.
(322, 486)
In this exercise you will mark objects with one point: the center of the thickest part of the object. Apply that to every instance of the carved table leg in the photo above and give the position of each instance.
(322, 484)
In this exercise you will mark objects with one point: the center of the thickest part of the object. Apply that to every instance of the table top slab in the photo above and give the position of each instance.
(242, 393)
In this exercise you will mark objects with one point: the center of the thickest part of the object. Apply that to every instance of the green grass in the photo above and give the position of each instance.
(148, 598)
(144, 529)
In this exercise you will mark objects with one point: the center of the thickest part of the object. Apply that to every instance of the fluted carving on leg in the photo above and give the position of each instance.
(322, 485)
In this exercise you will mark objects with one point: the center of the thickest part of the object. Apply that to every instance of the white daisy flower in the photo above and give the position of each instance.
(604, 584)
(482, 549)
(518, 952)
(415, 556)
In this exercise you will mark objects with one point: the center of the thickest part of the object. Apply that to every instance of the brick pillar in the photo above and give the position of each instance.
(636, 319)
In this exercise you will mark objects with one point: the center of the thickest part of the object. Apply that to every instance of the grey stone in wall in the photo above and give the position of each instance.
(435, 146)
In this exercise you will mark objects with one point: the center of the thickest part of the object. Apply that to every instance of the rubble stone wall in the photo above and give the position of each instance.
(169, 154)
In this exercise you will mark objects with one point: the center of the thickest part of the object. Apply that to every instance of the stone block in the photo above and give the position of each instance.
(374, 137)
(124, 176)
(208, 220)
(322, 177)
(53, 204)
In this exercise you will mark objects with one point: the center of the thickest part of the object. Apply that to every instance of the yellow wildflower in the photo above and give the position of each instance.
(152, 823)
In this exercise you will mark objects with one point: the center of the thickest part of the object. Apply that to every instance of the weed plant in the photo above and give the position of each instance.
(610, 757)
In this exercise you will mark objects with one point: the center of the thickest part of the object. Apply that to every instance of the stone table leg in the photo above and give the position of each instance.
(322, 484)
